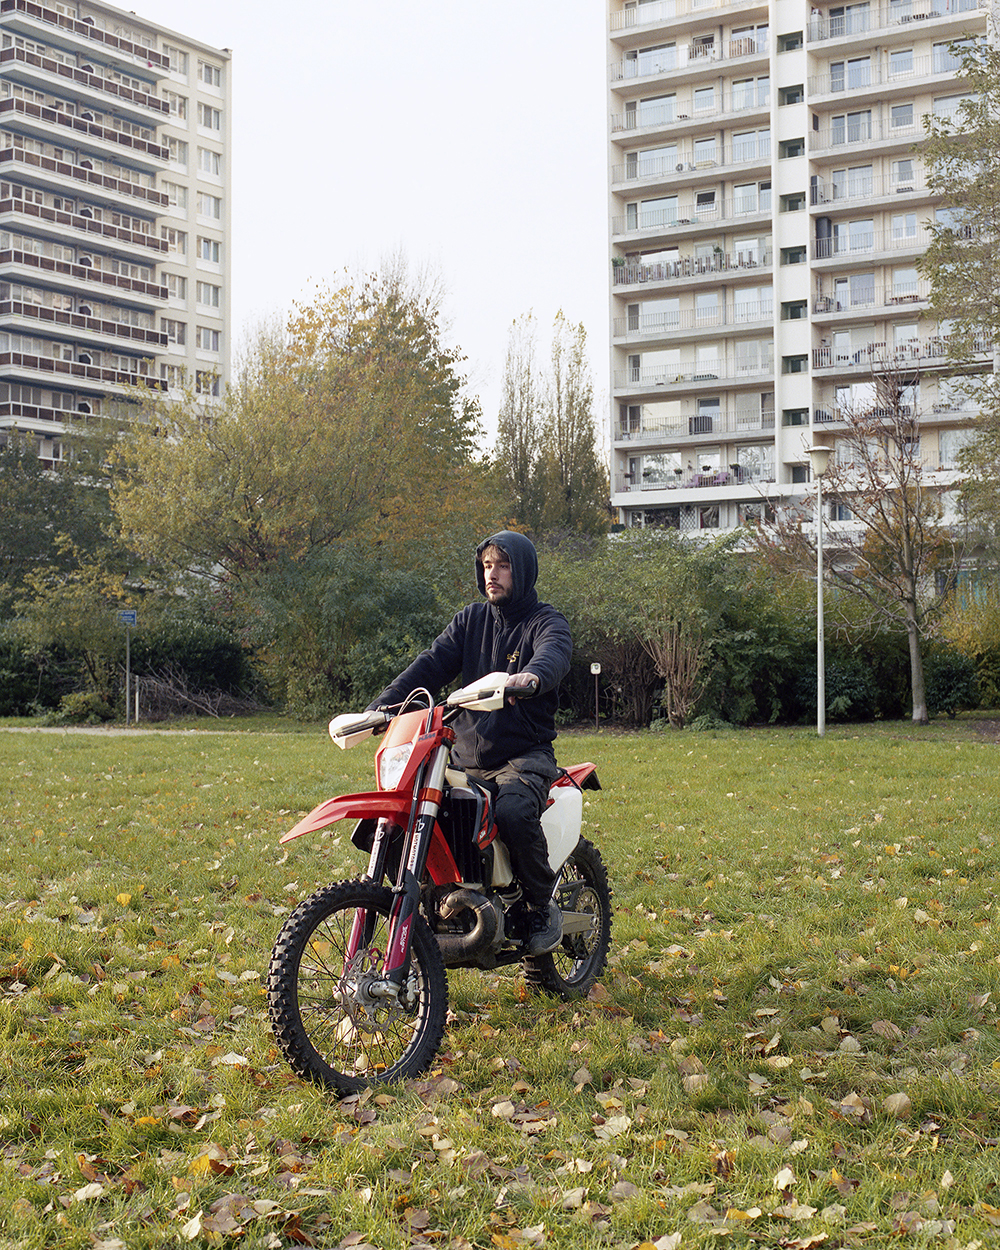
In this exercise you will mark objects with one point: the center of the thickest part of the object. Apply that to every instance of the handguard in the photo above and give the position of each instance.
(351, 728)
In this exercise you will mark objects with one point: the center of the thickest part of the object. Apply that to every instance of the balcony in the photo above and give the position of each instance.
(733, 104)
(886, 16)
(875, 355)
(74, 370)
(868, 243)
(710, 371)
(864, 190)
(665, 221)
(876, 297)
(150, 155)
(141, 103)
(858, 78)
(736, 421)
(665, 325)
(862, 134)
(657, 11)
(73, 32)
(626, 274)
(113, 189)
(83, 324)
(696, 55)
(84, 273)
(136, 239)
(684, 479)
(688, 160)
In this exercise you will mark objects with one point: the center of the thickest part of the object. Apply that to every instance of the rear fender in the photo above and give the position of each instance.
(394, 805)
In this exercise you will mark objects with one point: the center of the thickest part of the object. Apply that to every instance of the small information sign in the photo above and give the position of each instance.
(128, 616)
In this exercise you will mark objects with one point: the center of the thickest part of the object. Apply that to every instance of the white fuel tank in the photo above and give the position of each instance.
(561, 824)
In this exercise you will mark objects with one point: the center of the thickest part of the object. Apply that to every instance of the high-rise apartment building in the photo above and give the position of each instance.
(114, 212)
(768, 204)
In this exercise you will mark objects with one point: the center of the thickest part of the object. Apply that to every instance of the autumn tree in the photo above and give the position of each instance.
(962, 155)
(898, 550)
(346, 441)
(547, 445)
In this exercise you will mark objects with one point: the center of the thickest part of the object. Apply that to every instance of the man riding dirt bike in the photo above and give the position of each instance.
(510, 752)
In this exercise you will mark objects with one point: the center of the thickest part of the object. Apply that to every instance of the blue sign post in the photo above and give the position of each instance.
(128, 617)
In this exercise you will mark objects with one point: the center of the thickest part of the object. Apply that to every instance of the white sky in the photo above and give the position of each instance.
(468, 136)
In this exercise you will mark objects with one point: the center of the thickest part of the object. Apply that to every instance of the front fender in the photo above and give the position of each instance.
(394, 805)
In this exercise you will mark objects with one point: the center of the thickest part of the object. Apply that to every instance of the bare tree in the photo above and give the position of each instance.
(892, 544)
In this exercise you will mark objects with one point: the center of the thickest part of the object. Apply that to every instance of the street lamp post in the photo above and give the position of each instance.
(819, 458)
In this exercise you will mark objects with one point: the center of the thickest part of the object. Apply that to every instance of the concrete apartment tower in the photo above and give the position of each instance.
(768, 204)
(114, 212)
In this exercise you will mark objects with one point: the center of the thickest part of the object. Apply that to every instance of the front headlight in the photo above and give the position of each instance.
(392, 764)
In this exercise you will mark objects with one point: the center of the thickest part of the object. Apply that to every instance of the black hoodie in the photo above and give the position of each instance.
(521, 634)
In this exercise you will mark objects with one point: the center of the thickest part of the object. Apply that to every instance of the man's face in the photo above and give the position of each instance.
(499, 579)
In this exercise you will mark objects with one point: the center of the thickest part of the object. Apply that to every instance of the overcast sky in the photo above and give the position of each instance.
(470, 137)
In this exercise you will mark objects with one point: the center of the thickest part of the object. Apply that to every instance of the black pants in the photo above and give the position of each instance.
(521, 790)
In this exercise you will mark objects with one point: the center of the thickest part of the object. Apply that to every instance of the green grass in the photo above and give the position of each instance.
(804, 928)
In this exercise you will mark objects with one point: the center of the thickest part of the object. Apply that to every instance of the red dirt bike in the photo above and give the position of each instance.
(357, 988)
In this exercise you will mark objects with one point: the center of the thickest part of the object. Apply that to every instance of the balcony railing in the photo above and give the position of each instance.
(85, 273)
(87, 78)
(687, 160)
(864, 131)
(873, 355)
(690, 267)
(644, 379)
(76, 221)
(719, 421)
(879, 17)
(81, 372)
(874, 297)
(663, 11)
(689, 215)
(669, 60)
(92, 130)
(137, 52)
(735, 102)
(858, 77)
(874, 187)
(117, 186)
(867, 242)
(89, 325)
(684, 479)
(659, 324)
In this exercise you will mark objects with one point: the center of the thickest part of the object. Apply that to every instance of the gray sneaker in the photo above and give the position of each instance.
(544, 929)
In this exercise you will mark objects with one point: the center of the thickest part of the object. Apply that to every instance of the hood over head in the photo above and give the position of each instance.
(523, 562)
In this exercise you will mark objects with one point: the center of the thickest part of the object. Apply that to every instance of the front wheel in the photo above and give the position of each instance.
(328, 1007)
(585, 898)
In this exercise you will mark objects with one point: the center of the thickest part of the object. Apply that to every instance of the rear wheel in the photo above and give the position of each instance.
(574, 966)
(329, 1012)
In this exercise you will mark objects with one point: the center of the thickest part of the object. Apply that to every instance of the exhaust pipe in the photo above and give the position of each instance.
(459, 948)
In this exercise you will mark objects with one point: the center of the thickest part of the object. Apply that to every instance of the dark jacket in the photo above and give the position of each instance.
(483, 638)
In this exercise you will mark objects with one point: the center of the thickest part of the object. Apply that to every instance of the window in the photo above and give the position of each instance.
(704, 203)
(944, 61)
(902, 175)
(176, 331)
(210, 162)
(854, 236)
(704, 151)
(751, 93)
(177, 287)
(177, 196)
(904, 226)
(173, 375)
(651, 161)
(851, 127)
(795, 202)
(900, 62)
(210, 74)
(178, 151)
(792, 95)
(794, 364)
(748, 39)
(901, 116)
(752, 197)
(177, 104)
(209, 249)
(751, 145)
(790, 41)
(852, 183)
(791, 147)
(794, 416)
(208, 117)
(209, 205)
(751, 303)
(793, 255)
(855, 291)
(209, 294)
(206, 382)
(651, 111)
(905, 284)
(208, 339)
(853, 74)
(706, 308)
(949, 107)
(794, 310)
(704, 99)
(178, 59)
(177, 240)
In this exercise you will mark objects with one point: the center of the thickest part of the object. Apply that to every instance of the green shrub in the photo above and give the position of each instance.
(82, 707)
(204, 654)
(31, 678)
(952, 683)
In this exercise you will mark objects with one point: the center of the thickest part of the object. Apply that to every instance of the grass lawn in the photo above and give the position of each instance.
(795, 1045)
